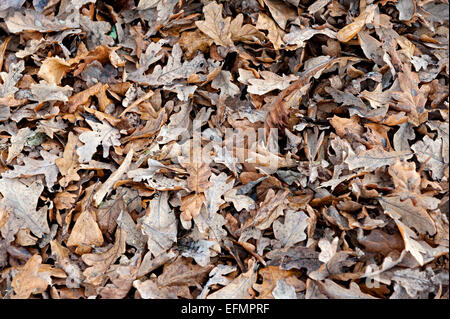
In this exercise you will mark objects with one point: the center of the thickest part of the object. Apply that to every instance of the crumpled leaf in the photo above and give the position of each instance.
(46, 166)
(159, 225)
(53, 69)
(223, 83)
(240, 287)
(22, 200)
(216, 27)
(292, 231)
(28, 280)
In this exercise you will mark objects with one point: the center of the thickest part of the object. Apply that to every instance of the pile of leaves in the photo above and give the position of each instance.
(98, 101)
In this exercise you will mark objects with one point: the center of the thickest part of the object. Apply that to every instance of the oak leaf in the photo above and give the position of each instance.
(270, 82)
(100, 263)
(292, 231)
(28, 280)
(32, 167)
(68, 164)
(199, 173)
(216, 27)
(22, 199)
(159, 225)
(240, 287)
(103, 134)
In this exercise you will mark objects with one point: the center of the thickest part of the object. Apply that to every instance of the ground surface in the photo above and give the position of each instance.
(224, 149)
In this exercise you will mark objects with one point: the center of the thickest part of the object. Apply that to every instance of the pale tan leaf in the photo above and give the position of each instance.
(27, 281)
(100, 263)
(32, 167)
(159, 225)
(22, 200)
(115, 176)
(53, 69)
(103, 134)
(214, 26)
(85, 233)
(240, 287)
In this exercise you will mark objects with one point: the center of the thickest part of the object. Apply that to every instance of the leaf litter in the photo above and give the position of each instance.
(119, 177)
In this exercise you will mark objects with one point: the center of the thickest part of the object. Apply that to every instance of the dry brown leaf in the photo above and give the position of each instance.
(281, 12)
(73, 271)
(240, 287)
(102, 133)
(335, 291)
(22, 200)
(269, 210)
(28, 281)
(115, 176)
(275, 34)
(292, 231)
(85, 233)
(68, 165)
(214, 26)
(349, 31)
(159, 225)
(199, 173)
(33, 167)
(411, 99)
(270, 275)
(191, 206)
(100, 263)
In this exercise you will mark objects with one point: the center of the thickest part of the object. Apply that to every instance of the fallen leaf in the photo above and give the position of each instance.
(115, 176)
(214, 26)
(28, 280)
(22, 199)
(159, 225)
(349, 31)
(85, 233)
(100, 263)
(271, 275)
(53, 69)
(292, 231)
(32, 167)
(240, 287)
